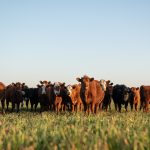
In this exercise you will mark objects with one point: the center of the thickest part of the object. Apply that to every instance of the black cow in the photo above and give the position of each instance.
(121, 95)
(108, 95)
(33, 98)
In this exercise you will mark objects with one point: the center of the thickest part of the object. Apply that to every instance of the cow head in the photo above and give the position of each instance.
(103, 84)
(44, 85)
(109, 87)
(85, 82)
(135, 92)
(69, 90)
(57, 88)
(126, 93)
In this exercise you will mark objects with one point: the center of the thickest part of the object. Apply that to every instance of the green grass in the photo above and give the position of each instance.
(111, 130)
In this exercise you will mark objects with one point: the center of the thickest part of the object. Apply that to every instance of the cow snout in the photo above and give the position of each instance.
(126, 97)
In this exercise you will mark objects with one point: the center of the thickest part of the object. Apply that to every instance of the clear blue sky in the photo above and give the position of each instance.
(60, 40)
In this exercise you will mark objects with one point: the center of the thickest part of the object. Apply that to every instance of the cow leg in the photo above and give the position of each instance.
(106, 108)
(13, 106)
(3, 105)
(31, 107)
(131, 105)
(119, 106)
(18, 105)
(96, 108)
(141, 106)
(65, 107)
(78, 107)
(93, 108)
(135, 105)
(7, 104)
(109, 104)
(72, 107)
(126, 106)
(116, 107)
(35, 107)
(22, 103)
(88, 109)
(57, 108)
(41, 108)
(27, 103)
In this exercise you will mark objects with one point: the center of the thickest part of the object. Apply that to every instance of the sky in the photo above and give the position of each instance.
(60, 40)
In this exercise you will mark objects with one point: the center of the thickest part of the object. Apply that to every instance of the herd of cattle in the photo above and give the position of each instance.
(89, 95)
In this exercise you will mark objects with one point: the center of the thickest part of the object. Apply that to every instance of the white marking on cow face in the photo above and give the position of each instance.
(69, 89)
(23, 93)
(56, 88)
(43, 89)
(126, 97)
(103, 84)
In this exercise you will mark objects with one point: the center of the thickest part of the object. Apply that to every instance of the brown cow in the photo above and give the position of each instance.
(74, 93)
(135, 97)
(92, 93)
(14, 95)
(2, 95)
(145, 97)
(57, 99)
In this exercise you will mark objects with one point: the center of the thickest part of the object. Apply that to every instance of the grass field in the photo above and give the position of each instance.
(111, 130)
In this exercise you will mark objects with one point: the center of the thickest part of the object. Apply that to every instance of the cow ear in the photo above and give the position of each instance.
(23, 84)
(49, 82)
(38, 85)
(73, 86)
(137, 88)
(108, 82)
(78, 79)
(41, 82)
(91, 79)
(63, 84)
(111, 83)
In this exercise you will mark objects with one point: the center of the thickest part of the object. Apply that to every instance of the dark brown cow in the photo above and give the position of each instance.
(135, 97)
(145, 97)
(2, 95)
(44, 95)
(14, 95)
(108, 95)
(74, 93)
(92, 93)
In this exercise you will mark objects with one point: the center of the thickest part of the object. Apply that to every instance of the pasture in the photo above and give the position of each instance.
(105, 130)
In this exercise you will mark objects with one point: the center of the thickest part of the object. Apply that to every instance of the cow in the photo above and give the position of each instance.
(31, 95)
(74, 93)
(108, 95)
(121, 95)
(145, 97)
(135, 97)
(57, 97)
(66, 100)
(25, 92)
(2, 96)
(92, 93)
(44, 93)
(14, 95)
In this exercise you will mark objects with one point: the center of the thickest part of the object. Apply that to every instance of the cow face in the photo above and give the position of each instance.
(57, 88)
(103, 84)
(43, 89)
(109, 88)
(126, 95)
(85, 83)
(69, 90)
(135, 92)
